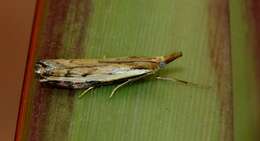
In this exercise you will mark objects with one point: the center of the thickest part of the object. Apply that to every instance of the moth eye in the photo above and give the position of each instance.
(39, 69)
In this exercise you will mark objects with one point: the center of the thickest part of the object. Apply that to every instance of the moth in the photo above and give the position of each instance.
(90, 73)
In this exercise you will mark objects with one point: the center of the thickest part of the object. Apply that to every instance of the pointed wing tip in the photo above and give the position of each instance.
(169, 58)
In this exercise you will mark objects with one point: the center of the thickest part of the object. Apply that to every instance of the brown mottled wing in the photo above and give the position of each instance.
(83, 73)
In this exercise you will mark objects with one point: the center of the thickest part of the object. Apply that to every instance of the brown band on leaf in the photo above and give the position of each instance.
(220, 51)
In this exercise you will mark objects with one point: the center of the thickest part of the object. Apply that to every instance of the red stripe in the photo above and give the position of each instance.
(29, 70)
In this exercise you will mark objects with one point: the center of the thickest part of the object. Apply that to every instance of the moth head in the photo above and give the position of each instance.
(40, 69)
(169, 58)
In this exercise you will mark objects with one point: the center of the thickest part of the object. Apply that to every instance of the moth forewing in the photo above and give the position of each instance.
(86, 73)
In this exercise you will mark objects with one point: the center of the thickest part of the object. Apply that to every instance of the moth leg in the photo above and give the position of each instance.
(176, 80)
(126, 82)
(118, 86)
(85, 92)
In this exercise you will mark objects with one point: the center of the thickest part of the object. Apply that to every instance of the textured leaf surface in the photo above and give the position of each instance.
(148, 110)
